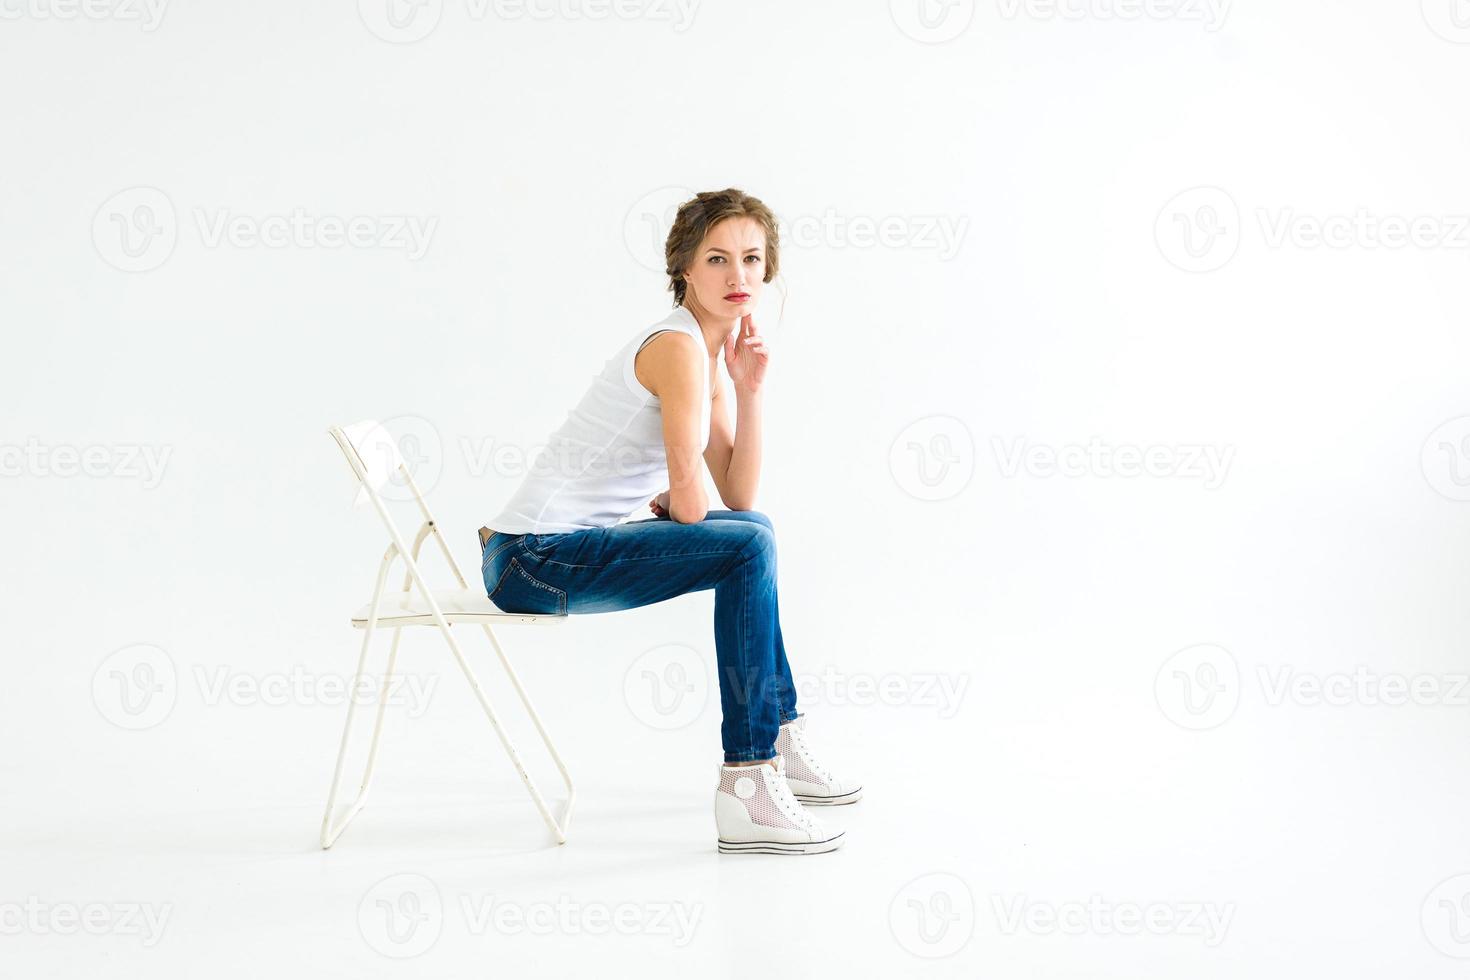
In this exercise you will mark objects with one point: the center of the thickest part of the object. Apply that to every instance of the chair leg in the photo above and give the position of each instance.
(566, 777)
(329, 833)
(558, 829)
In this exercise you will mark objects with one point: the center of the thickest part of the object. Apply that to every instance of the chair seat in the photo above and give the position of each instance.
(457, 605)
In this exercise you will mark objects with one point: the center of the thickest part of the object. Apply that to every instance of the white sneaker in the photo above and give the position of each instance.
(755, 813)
(810, 781)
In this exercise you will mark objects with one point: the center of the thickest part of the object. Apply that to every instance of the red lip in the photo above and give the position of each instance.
(737, 297)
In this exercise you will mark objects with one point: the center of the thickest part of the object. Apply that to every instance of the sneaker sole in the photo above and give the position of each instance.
(852, 797)
(780, 847)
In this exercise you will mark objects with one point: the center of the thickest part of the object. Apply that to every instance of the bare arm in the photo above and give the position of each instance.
(734, 455)
(670, 366)
(735, 460)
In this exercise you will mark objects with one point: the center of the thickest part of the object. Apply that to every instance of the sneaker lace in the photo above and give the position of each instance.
(789, 805)
(798, 739)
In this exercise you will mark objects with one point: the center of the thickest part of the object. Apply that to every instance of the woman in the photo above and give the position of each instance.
(561, 545)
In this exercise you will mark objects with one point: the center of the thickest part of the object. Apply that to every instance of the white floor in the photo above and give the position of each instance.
(1038, 824)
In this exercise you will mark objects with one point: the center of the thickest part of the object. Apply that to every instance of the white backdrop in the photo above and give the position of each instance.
(1117, 445)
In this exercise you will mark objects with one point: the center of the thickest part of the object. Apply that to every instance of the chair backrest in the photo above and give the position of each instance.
(372, 453)
(376, 461)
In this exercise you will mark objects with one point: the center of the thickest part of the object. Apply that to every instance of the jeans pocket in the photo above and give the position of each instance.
(518, 591)
(492, 550)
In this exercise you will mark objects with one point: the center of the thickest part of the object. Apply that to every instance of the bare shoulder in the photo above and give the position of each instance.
(671, 360)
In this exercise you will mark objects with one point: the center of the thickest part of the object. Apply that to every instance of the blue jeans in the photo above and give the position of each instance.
(637, 563)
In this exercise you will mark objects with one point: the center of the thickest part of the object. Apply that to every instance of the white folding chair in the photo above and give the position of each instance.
(375, 459)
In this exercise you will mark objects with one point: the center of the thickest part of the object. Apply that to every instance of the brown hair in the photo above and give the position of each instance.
(701, 213)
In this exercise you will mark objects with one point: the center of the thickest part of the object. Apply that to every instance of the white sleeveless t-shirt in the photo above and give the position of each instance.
(607, 459)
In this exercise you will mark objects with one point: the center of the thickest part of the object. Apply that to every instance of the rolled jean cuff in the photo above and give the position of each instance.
(749, 756)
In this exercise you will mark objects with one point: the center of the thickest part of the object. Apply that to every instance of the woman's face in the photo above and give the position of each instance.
(729, 267)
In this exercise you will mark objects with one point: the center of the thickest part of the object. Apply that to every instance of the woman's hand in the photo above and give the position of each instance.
(660, 505)
(746, 356)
